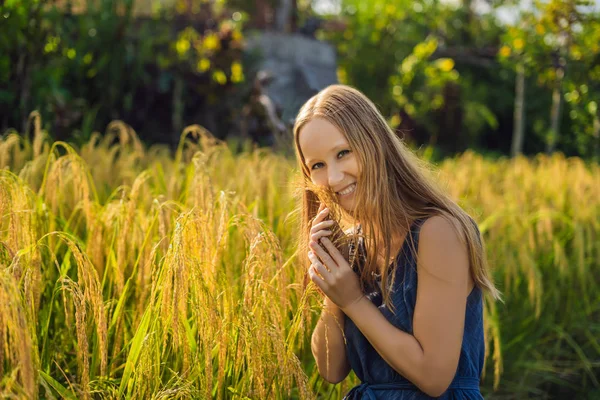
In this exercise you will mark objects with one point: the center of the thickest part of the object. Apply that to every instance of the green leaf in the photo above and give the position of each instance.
(63, 391)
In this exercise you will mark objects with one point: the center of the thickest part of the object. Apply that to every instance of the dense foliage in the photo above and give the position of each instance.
(82, 67)
(445, 74)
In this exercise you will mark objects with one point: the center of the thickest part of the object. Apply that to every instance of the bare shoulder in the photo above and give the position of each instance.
(441, 228)
(442, 251)
(442, 293)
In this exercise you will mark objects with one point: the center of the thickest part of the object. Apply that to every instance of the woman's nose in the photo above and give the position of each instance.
(335, 177)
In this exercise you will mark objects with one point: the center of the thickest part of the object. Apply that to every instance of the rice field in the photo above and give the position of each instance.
(127, 272)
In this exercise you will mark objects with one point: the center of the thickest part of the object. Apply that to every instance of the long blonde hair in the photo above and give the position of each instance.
(394, 189)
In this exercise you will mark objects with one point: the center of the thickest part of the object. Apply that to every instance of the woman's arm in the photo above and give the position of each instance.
(429, 357)
(328, 346)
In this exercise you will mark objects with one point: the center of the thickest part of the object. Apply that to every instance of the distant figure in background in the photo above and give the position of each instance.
(311, 26)
(314, 23)
(260, 121)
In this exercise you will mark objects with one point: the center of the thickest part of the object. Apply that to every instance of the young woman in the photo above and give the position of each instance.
(403, 306)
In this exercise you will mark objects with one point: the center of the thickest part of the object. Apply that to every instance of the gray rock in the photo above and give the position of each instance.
(299, 66)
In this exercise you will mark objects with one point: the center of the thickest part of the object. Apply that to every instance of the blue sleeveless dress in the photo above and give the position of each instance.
(379, 380)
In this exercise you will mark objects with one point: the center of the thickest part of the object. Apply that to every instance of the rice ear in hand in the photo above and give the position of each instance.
(338, 237)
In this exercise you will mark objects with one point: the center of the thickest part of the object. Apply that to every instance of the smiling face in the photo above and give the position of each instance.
(330, 160)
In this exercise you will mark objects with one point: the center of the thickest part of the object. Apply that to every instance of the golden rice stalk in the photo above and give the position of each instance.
(203, 137)
(493, 339)
(19, 234)
(173, 286)
(68, 168)
(16, 345)
(126, 135)
(89, 285)
(97, 245)
(83, 362)
(8, 146)
(39, 136)
(124, 241)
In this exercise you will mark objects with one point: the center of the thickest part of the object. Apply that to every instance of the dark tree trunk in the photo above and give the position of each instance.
(519, 113)
(555, 113)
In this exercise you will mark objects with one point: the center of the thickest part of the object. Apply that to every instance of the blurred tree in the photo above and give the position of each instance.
(548, 41)
(261, 13)
(521, 43)
(485, 105)
(24, 41)
(378, 36)
(559, 18)
(419, 86)
(385, 52)
(83, 67)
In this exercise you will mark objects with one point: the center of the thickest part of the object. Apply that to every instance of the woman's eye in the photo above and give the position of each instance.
(339, 155)
(343, 152)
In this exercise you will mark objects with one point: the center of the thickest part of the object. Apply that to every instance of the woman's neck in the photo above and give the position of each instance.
(396, 243)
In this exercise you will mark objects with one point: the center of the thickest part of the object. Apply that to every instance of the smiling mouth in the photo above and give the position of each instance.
(350, 189)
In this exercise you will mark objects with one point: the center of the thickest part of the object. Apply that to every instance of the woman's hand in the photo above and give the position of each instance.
(320, 224)
(332, 274)
(317, 229)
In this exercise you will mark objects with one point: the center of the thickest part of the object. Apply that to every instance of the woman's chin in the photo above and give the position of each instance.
(348, 207)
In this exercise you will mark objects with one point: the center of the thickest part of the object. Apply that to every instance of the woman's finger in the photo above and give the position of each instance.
(321, 207)
(322, 254)
(320, 216)
(333, 251)
(316, 236)
(312, 273)
(318, 264)
(323, 271)
(321, 225)
(314, 259)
